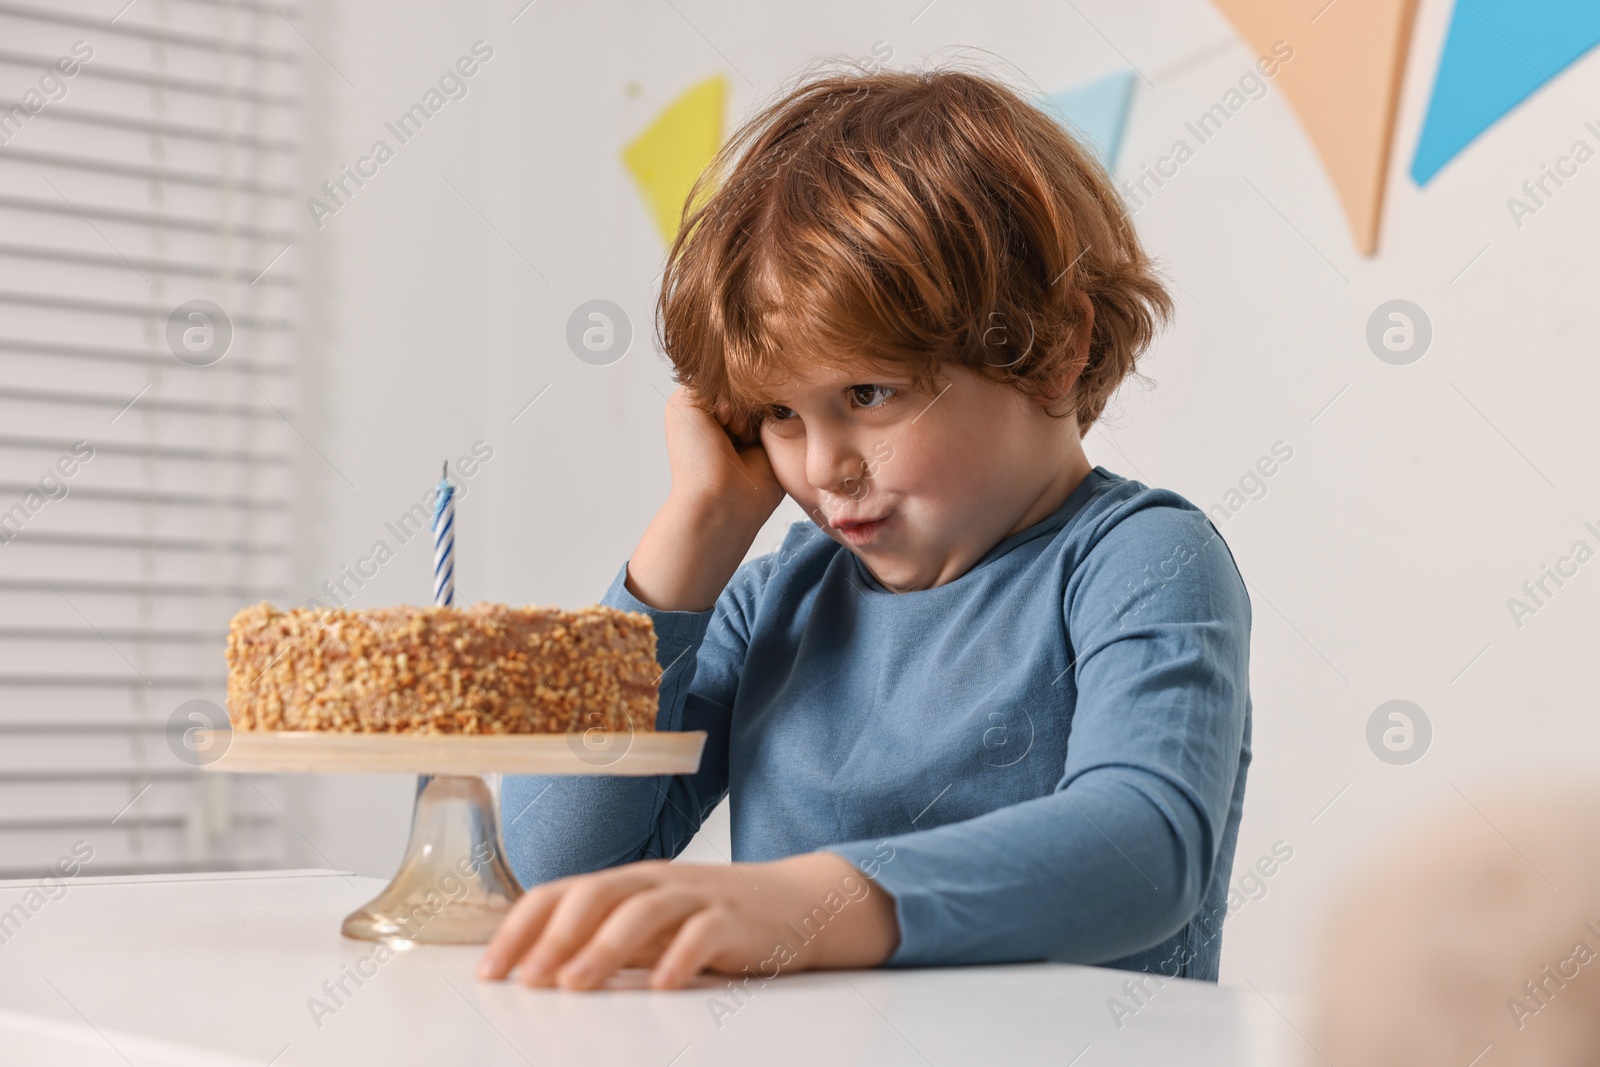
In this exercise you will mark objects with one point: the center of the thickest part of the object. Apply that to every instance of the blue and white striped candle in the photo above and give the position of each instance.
(444, 542)
(444, 559)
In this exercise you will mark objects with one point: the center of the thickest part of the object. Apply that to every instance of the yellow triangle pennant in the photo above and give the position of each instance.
(668, 156)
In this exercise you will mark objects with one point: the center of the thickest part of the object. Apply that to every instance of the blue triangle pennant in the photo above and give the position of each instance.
(1497, 54)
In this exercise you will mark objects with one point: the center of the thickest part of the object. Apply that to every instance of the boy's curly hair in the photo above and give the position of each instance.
(915, 218)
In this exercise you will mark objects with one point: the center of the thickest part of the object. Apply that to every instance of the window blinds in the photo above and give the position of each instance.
(148, 160)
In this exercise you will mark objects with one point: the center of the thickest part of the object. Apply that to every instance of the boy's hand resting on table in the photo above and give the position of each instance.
(681, 919)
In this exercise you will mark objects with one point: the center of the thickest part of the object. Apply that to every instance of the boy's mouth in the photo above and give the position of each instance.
(859, 531)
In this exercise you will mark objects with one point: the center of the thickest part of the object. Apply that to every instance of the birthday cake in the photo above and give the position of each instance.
(487, 669)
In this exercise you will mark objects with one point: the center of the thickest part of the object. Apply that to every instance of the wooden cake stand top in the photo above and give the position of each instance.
(590, 752)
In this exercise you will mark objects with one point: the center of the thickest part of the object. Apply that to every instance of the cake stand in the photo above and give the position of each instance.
(454, 885)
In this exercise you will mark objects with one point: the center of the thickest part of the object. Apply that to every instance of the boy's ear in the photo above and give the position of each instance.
(1085, 330)
(1053, 402)
(1080, 354)
(1080, 342)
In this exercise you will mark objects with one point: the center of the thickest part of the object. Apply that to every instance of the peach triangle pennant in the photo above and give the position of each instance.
(1343, 83)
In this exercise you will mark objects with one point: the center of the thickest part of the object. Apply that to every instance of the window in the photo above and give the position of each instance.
(148, 177)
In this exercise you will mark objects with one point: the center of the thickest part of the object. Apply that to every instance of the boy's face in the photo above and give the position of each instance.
(942, 475)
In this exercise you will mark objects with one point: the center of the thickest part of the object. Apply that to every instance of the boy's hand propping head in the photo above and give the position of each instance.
(717, 462)
(723, 492)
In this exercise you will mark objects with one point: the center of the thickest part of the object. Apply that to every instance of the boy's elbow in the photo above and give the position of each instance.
(1191, 863)
(1156, 890)
(1180, 905)
(1195, 862)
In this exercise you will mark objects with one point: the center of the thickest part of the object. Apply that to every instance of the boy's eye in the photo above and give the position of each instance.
(871, 396)
(865, 396)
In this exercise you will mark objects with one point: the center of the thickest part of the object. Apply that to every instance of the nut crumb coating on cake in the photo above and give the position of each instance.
(487, 669)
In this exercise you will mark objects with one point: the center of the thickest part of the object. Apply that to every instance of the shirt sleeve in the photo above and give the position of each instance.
(559, 825)
(1117, 857)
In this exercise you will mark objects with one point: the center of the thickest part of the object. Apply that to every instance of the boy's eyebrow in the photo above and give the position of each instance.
(895, 378)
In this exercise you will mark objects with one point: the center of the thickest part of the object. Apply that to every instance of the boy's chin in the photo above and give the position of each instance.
(893, 574)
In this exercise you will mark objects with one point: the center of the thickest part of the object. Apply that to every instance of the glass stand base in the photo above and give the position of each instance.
(454, 885)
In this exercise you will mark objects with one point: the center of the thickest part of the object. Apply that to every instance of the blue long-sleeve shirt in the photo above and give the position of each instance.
(1044, 758)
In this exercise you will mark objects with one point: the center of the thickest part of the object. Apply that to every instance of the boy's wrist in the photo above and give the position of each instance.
(864, 931)
(724, 513)
(689, 551)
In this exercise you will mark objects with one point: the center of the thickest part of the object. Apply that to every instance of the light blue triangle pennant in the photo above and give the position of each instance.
(1098, 110)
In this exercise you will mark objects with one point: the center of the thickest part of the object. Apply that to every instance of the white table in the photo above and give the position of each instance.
(160, 971)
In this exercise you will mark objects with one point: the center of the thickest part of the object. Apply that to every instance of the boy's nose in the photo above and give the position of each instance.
(834, 467)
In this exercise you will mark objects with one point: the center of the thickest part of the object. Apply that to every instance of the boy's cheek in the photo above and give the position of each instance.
(790, 471)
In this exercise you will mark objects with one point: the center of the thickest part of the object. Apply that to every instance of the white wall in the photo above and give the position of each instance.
(1379, 562)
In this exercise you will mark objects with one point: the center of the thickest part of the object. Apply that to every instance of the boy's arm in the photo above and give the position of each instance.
(562, 825)
(1118, 857)
(686, 576)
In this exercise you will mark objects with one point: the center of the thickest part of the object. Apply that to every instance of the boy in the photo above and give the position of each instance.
(1008, 687)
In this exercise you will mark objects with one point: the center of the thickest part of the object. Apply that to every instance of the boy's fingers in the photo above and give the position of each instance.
(723, 416)
(699, 939)
(640, 919)
(684, 404)
(518, 929)
(699, 419)
(742, 431)
(579, 912)
(736, 426)
(646, 953)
